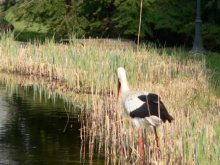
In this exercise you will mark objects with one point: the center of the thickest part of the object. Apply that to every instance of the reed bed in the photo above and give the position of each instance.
(191, 139)
(182, 82)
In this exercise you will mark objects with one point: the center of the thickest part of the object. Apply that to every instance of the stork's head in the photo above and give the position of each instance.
(122, 80)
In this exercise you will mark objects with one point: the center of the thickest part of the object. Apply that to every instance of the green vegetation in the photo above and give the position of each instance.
(184, 83)
(213, 63)
(169, 22)
(84, 70)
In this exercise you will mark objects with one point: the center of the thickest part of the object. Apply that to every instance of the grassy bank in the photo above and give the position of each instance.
(184, 83)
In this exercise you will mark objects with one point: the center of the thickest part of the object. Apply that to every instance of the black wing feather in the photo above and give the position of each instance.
(141, 112)
(150, 107)
(151, 97)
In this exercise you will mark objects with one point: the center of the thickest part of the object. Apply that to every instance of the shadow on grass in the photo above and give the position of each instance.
(34, 36)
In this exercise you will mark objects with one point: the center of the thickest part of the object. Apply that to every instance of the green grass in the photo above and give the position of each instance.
(182, 81)
(213, 64)
(213, 61)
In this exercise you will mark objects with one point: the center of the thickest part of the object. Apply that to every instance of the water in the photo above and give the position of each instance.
(36, 132)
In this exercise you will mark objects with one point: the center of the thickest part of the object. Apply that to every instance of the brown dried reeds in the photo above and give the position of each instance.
(185, 89)
(181, 81)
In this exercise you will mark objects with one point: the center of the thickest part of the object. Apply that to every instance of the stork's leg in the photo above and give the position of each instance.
(157, 140)
(141, 145)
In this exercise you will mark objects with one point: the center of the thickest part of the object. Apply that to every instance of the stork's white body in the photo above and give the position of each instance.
(131, 102)
(142, 108)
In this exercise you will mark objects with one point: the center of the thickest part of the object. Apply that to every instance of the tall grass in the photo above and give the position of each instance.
(182, 82)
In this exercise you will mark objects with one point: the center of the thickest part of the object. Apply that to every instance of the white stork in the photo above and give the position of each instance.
(142, 107)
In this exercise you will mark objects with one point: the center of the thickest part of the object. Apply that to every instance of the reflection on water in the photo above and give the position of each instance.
(34, 132)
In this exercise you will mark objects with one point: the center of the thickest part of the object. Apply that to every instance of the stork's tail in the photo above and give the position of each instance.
(170, 118)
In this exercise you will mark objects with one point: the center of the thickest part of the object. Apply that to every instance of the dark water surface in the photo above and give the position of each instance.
(34, 132)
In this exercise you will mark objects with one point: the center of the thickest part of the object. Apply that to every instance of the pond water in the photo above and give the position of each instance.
(35, 131)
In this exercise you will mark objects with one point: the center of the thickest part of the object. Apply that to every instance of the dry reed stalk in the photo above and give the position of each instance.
(182, 83)
(187, 109)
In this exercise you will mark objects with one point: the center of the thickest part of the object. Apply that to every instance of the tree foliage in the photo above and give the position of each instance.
(167, 21)
(53, 14)
(8, 3)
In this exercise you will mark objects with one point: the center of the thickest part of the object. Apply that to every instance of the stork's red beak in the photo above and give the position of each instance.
(119, 88)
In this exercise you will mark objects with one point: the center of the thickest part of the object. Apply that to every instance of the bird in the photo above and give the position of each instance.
(143, 108)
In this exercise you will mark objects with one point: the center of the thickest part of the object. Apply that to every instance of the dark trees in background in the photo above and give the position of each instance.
(167, 22)
(8, 3)
(4, 24)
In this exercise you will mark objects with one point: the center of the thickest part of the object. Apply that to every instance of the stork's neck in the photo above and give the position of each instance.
(124, 86)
